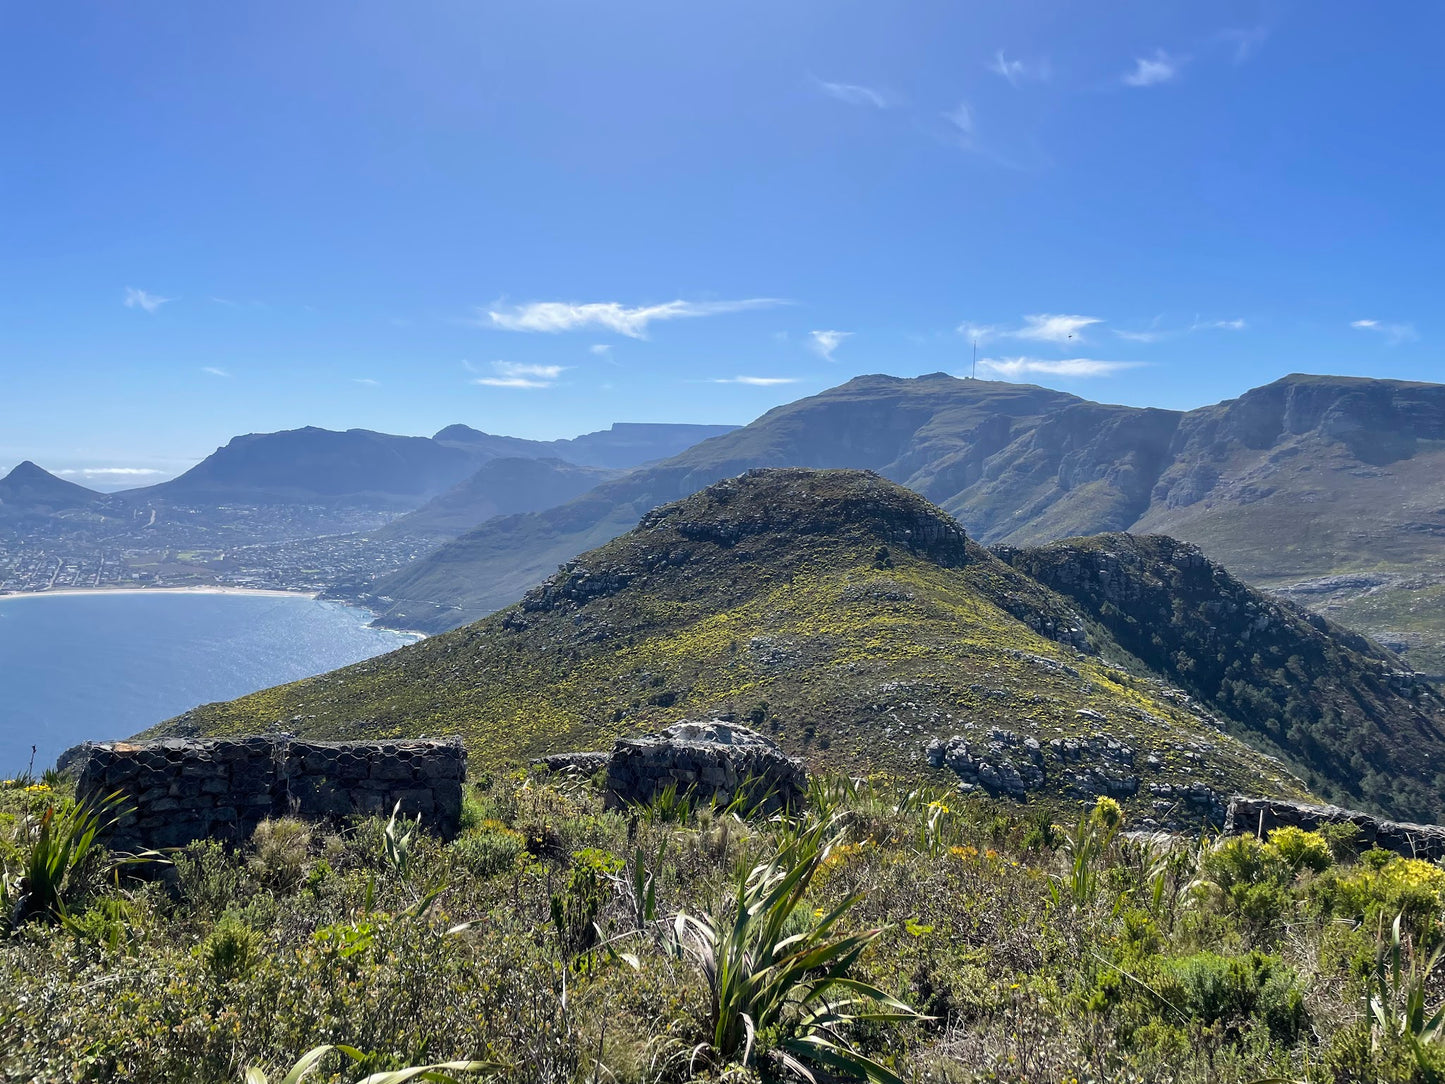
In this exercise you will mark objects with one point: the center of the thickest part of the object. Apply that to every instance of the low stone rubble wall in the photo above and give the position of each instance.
(1256, 816)
(714, 761)
(183, 790)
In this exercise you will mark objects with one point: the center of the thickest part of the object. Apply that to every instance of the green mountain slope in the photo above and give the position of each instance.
(841, 611)
(1292, 485)
(499, 487)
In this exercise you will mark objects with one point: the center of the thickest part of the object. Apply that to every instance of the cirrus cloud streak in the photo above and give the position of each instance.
(514, 375)
(1011, 368)
(553, 317)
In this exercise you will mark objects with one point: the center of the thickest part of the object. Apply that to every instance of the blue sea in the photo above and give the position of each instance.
(103, 666)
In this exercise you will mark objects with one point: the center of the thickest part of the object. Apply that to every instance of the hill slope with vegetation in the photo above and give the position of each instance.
(848, 617)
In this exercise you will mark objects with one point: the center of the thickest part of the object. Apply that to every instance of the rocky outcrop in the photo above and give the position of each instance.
(575, 763)
(181, 790)
(1257, 816)
(1002, 762)
(715, 761)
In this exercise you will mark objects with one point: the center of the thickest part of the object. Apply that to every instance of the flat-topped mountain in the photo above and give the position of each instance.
(621, 447)
(857, 622)
(319, 466)
(31, 489)
(1306, 479)
(363, 468)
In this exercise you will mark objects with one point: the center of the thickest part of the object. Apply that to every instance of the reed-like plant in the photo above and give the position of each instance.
(1397, 1004)
(57, 851)
(436, 1072)
(788, 996)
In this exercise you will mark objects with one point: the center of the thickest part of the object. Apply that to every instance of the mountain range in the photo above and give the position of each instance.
(359, 467)
(1330, 489)
(858, 623)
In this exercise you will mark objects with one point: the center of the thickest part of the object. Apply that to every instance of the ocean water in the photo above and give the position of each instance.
(104, 666)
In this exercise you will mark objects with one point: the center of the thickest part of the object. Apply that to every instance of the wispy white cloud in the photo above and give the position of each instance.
(1151, 71)
(1019, 71)
(1154, 333)
(370, 383)
(854, 94)
(552, 317)
(1074, 367)
(757, 381)
(1053, 328)
(104, 473)
(823, 343)
(1394, 334)
(514, 375)
(213, 371)
(961, 117)
(140, 299)
(600, 349)
(1044, 327)
(1245, 42)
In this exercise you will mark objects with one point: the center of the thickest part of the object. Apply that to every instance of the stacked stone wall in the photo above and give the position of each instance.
(1257, 816)
(182, 790)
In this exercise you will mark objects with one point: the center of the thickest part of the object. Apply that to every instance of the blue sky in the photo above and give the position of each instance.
(538, 217)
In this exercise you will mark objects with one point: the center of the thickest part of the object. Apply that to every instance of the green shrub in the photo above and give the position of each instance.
(575, 908)
(282, 847)
(491, 848)
(230, 950)
(1211, 988)
(209, 880)
(1378, 888)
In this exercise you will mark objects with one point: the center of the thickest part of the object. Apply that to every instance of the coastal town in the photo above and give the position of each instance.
(274, 548)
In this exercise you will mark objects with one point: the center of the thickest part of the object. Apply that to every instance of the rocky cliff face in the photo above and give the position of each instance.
(1347, 712)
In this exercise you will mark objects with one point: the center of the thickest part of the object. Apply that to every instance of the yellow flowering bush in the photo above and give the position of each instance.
(1302, 850)
(1381, 887)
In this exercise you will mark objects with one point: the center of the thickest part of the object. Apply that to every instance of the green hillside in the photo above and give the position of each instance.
(837, 610)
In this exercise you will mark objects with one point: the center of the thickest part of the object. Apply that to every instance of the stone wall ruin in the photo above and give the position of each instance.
(182, 790)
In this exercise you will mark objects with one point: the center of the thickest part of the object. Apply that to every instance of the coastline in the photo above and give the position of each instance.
(264, 592)
(201, 589)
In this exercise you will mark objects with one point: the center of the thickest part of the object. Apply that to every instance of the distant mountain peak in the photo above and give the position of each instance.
(32, 487)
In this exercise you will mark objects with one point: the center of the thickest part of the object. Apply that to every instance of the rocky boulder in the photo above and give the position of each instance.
(716, 760)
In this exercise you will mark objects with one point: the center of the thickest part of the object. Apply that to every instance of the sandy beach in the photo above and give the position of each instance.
(199, 590)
